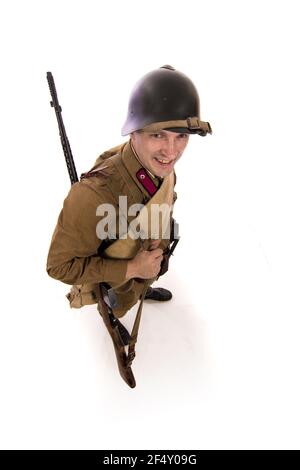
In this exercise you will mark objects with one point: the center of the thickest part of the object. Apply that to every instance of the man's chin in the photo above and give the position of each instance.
(165, 173)
(162, 172)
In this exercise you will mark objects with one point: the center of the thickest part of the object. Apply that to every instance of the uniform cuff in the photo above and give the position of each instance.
(115, 270)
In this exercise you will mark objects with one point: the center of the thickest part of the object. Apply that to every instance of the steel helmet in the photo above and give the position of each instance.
(165, 99)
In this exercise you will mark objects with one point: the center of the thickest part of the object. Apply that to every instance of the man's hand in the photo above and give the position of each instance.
(145, 264)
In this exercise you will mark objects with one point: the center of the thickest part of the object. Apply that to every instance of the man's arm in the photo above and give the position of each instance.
(73, 257)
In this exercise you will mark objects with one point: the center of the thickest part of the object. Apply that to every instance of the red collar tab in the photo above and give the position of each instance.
(146, 181)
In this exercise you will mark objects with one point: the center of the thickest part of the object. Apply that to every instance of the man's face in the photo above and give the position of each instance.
(158, 152)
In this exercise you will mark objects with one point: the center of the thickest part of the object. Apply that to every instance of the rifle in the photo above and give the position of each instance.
(119, 335)
(62, 131)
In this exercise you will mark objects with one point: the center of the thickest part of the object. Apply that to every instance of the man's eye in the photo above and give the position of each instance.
(157, 136)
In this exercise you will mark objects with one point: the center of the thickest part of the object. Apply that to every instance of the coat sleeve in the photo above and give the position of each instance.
(73, 255)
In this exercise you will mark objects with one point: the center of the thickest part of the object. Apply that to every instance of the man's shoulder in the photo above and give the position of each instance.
(108, 154)
(104, 175)
(105, 164)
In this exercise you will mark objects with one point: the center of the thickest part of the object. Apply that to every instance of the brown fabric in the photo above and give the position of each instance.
(73, 256)
(127, 248)
(85, 294)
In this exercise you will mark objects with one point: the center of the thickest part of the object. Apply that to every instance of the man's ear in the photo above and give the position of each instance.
(133, 136)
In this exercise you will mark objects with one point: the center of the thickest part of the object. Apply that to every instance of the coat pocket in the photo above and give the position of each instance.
(84, 294)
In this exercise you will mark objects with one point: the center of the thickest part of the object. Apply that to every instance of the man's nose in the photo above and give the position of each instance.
(169, 149)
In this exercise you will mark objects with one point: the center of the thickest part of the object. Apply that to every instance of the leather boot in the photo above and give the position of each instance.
(158, 293)
(113, 327)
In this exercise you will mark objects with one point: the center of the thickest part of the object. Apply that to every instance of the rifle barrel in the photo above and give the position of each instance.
(62, 131)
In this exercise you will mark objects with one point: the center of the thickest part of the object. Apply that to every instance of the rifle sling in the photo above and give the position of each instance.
(128, 247)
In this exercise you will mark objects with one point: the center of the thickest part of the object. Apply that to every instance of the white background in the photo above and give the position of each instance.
(218, 366)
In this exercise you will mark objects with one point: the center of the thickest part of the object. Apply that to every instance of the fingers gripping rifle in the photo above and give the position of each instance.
(62, 131)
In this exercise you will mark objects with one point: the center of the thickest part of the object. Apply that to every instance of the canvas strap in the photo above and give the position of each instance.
(128, 247)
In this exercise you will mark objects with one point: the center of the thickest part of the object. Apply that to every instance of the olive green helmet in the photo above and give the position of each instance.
(165, 99)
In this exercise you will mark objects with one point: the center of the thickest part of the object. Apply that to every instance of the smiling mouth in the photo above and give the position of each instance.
(164, 161)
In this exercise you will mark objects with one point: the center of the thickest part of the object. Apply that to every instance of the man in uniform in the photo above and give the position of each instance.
(109, 243)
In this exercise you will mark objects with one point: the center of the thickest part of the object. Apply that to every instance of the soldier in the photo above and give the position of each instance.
(109, 243)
